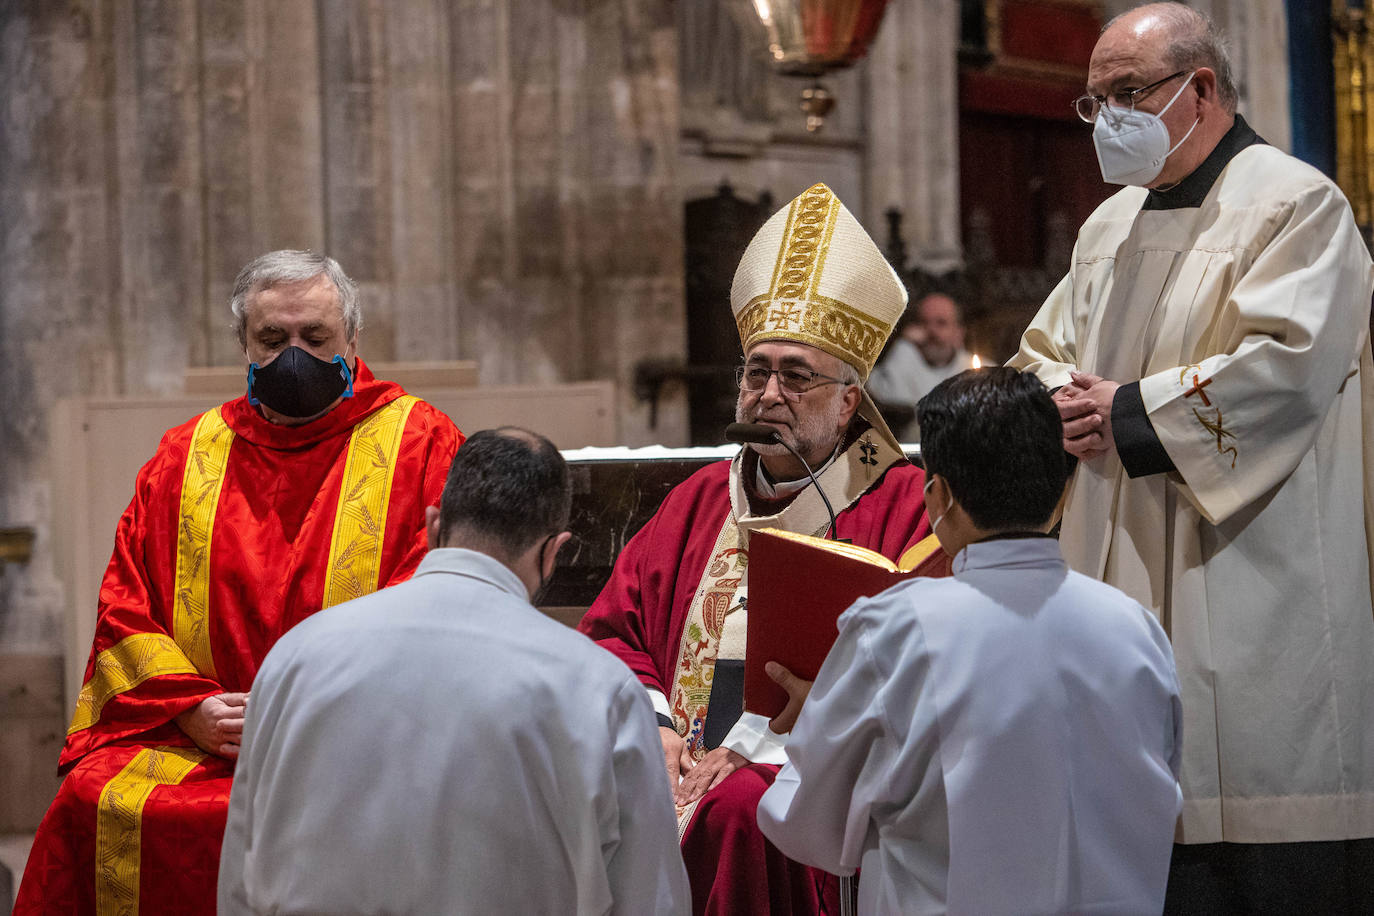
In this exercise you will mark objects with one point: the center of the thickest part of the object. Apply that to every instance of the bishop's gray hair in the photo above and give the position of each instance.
(1194, 41)
(291, 266)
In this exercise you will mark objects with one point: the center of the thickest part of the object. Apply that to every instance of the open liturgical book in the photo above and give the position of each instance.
(799, 585)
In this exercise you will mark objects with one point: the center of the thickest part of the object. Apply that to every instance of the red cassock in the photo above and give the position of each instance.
(238, 530)
(640, 616)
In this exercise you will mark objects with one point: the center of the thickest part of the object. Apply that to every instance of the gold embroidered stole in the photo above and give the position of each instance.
(846, 479)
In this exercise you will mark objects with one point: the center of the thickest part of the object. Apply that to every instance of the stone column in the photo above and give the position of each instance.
(913, 130)
(60, 269)
(567, 219)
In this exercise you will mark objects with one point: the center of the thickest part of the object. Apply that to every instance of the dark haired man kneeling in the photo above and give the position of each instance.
(1003, 741)
(440, 746)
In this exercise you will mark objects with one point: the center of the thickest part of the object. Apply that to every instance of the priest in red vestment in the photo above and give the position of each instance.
(307, 491)
(815, 301)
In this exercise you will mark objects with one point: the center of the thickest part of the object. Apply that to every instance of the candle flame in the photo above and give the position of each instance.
(977, 363)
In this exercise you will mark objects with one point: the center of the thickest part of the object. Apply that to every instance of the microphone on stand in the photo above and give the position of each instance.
(763, 434)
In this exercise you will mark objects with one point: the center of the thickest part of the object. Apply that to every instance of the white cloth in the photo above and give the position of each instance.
(903, 377)
(1003, 741)
(1254, 553)
(442, 747)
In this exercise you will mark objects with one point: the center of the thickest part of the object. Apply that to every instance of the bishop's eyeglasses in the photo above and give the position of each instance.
(1088, 106)
(793, 381)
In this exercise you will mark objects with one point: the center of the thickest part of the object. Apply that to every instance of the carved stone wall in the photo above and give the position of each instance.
(500, 177)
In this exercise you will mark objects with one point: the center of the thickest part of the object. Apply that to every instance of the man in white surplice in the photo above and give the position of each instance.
(1211, 341)
(1005, 741)
(441, 746)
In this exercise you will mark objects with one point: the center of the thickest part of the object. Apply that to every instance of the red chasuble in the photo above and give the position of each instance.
(640, 616)
(238, 530)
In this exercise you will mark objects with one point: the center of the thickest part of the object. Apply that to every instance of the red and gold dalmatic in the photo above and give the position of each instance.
(238, 530)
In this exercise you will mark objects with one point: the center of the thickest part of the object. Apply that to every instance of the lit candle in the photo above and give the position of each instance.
(977, 363)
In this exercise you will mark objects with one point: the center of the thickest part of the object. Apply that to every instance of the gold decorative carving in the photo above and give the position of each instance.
(1352, 62)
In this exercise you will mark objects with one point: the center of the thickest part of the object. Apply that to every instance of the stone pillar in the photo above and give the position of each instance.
(60, 269)
(566, 214)
(1256, 32)
(913, 130)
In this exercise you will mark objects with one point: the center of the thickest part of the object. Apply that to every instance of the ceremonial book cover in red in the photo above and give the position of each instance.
(798, 587)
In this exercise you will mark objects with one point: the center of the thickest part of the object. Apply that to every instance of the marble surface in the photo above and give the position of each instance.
(612, 500)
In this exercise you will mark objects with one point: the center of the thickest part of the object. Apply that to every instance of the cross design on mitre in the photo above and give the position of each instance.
(784, 314)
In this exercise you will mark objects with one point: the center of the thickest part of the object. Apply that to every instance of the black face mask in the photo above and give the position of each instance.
(297, 384)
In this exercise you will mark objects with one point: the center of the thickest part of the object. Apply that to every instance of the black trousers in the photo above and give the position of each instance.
(1272, 878)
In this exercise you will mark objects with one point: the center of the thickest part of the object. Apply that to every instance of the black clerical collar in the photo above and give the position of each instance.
(1191, 191)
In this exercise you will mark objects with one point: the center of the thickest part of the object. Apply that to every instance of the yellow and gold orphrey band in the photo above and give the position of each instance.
(355, 549)
(119, 824)
(124, 666)
(200, 489)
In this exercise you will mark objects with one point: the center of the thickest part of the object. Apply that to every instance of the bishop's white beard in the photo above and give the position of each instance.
(814, 433)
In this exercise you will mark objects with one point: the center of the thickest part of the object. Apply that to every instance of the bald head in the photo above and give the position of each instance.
(1181, 38)
(1166, 60)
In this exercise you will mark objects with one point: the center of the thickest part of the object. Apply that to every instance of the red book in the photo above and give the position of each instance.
(798, 587)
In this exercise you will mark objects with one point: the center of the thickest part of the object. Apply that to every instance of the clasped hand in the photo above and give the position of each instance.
(690, 780)
(215, 724)
(1085, 407)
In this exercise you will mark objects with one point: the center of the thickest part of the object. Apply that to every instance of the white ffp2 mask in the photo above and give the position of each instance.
(1133, 145)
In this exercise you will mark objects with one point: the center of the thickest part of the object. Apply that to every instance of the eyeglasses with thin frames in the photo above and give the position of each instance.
(1088, 106)
(793, 381)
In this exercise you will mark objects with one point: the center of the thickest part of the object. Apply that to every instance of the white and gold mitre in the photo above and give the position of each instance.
(812, 275)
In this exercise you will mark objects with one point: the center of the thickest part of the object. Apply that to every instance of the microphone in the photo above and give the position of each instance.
(763, 434)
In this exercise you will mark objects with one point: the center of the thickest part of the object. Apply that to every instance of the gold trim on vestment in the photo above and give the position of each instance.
(818, 321)
(124, 666)
(200, 490)
(793, 308)
(806, 242)
(355, 549)
(119, 824)
(714, 598)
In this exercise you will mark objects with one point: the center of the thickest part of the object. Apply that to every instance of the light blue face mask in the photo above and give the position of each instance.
(1133, 145)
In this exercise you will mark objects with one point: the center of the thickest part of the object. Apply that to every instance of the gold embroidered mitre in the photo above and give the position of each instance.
(812, 275)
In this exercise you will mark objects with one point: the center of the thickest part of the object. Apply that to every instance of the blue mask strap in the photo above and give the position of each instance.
(252, 367)
(344, 371)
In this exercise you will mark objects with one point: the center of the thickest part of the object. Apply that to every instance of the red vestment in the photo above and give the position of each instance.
(640, 616)
(238, 530)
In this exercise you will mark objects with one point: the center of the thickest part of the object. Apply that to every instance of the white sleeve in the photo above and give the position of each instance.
(840, 756)
(1291, 335)
(752, 739)
(659, 702)
(643, 863)
(232, 891)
